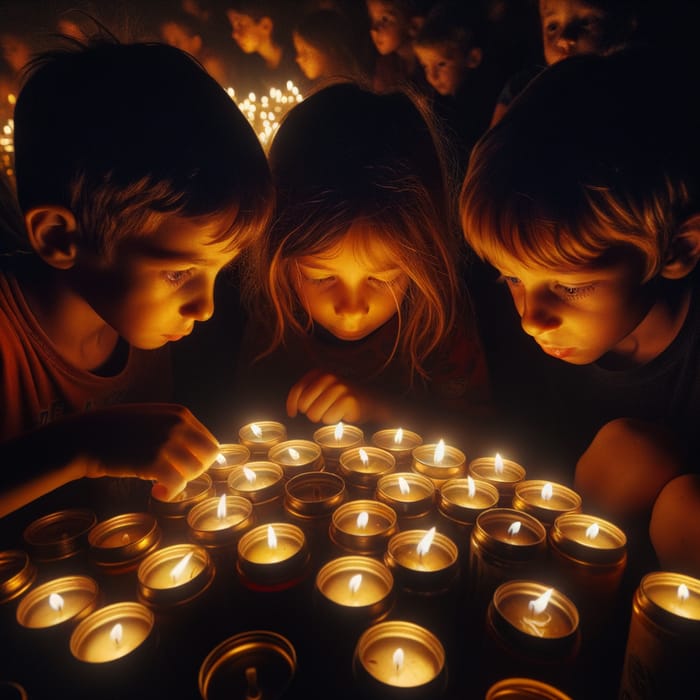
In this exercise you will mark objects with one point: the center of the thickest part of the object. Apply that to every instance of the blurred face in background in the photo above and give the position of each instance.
(312, 62)
(389, 29)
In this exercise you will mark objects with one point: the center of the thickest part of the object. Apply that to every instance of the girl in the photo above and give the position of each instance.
(358, 273)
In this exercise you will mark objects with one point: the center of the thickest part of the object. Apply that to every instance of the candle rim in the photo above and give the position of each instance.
(654, 580)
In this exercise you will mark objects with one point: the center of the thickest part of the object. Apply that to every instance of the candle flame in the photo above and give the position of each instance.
(250, 475)
(683, 593)
(364, 458)
(117, 634)
(221, 507)
(592, 531)
(398, 437)
(547, 492)
(271, 537)
(424, 545)
(179, 568)
(498, 464)
(471, 487)
(354, 583)
(256, 429)
(294, 454)
(362, 519)
(56, 602)
(539, 605)
(221, 459)
(398, 659)
(514, 528)
(439, 452)
(338, 432)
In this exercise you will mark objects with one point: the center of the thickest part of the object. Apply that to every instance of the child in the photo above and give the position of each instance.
(139, 180)
(360, 273)
(585, 198)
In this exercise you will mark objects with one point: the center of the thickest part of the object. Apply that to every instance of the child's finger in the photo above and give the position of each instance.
(307, 390)
(318, 409)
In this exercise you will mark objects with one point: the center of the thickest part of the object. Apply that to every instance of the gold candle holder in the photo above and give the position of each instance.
(260, 436)
(59, 536)
(256, 664)
(17, 574)
(400, 443)
(363, 526)
(439, 462)
(524, 689)
(172, 515)
(312, 497)
(545, 500)
(362, 467)
(219, 522)
(260, 482)
(334, 439)
(411, 495)
(297, 457)
(397, 659)
(663, 644)
(273, 557)
(355, 590)
(231, 455)
(504, 474)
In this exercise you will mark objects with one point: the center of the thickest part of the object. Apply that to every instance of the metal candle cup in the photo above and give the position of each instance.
(260, 436)
(663, 645)
(397, 659)
(215, 527)
(231, 455)
(524, 689)
(400, 443)
(439, 462)
(17, 574)
(411, 495)
(545, 500)
(357, 590)
(504, 474)
(362, 467)
(296, 457)
(248, 665)
(422, 561)
(363, 526)
(174, 576)
(272, 561)
(59, 536)
(260, 482)
(334, 439)
(172, 515)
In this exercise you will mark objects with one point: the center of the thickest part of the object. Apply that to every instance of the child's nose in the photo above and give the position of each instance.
(537, 313)
(200, 306)
(351, 302)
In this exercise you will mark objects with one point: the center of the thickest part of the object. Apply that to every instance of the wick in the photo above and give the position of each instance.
(253, 691)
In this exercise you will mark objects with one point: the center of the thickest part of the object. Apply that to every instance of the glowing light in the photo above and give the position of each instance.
(271, 537)
(364, 457)
(439, 452)
(117, 634)
(683, 593)
(362, 519)
(250, 475)
(592, 531)
(404, 488)
(221, 507)
(257, 430)
(539, 605)
(514, 528)
(398, 437)
(338, 432)
(56, 602)
(471, 487)
(294, 454)
(179, 568)
(398, 659)
(427, 540)
(221, 459)
(498, 464)
(547, 491)
(354, 583)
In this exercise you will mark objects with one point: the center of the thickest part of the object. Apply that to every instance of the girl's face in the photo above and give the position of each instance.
(445, 69)
(353, 288)
(311, 61)
(389, 30)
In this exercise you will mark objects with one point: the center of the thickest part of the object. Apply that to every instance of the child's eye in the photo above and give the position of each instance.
(320, 280)
(177, 277)
(551, 27)
(511, 281)
(576, 292)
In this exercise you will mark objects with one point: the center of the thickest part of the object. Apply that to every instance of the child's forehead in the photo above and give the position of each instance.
(361, 247)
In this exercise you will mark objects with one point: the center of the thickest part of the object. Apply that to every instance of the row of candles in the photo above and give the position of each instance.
(491, 521)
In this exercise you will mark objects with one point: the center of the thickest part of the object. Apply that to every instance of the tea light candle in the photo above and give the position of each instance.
(504, 474)
(422, 560)
(663, 644)
(296, 457)
(174, 575)
(363, 466)
(545, 500)
(410, 495)
(439, 462)
(357, 588)
(59, 535)
(258, 664)
(111, 633)
(175, 512)
(400, 443)
(273, 556)
(257, 481)
(334, 439)
(363, 526)
(219, 521)
(119, 543)
(260, 436)
(463, 499)
(395, 655)
(17, 574)
(58, 602)
(231, 455)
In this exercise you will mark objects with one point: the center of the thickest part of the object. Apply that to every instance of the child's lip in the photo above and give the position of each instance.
(555, 351)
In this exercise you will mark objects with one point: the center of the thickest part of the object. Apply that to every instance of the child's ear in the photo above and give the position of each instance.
(474, 56)
(684, 252)
(52, 232)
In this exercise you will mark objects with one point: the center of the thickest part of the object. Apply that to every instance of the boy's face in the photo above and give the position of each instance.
(388, 30)
(571, 27)
(444, 68)
(311, 61)
(579, 314)
(155, 287)
(246, 32)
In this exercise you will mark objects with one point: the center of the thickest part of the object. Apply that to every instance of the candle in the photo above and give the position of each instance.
(111, 633)
(663, 644)
(464, 499)
(400, 443)
(260, 482)
(524, 689)
(439, 462)
(60, 535)
(17, 574)
(231, 455)
(411, 495)
(545, 500)
(361, 467)
(219, 521)
(59, 602)
(296, 457)
(363, 526)
(422, 560)
(504, 474)
(333, 439)
(400, 659)
(250, 665)
(260, 436)
(357, 589)
(174, 576)
(273, 556)
(172, 515)
(118, 544)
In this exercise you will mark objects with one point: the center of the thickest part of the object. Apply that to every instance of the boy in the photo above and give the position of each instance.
(139, 181)
(585, 199)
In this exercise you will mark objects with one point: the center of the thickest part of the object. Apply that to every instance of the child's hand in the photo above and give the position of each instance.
(326, 398)
(162, 442)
